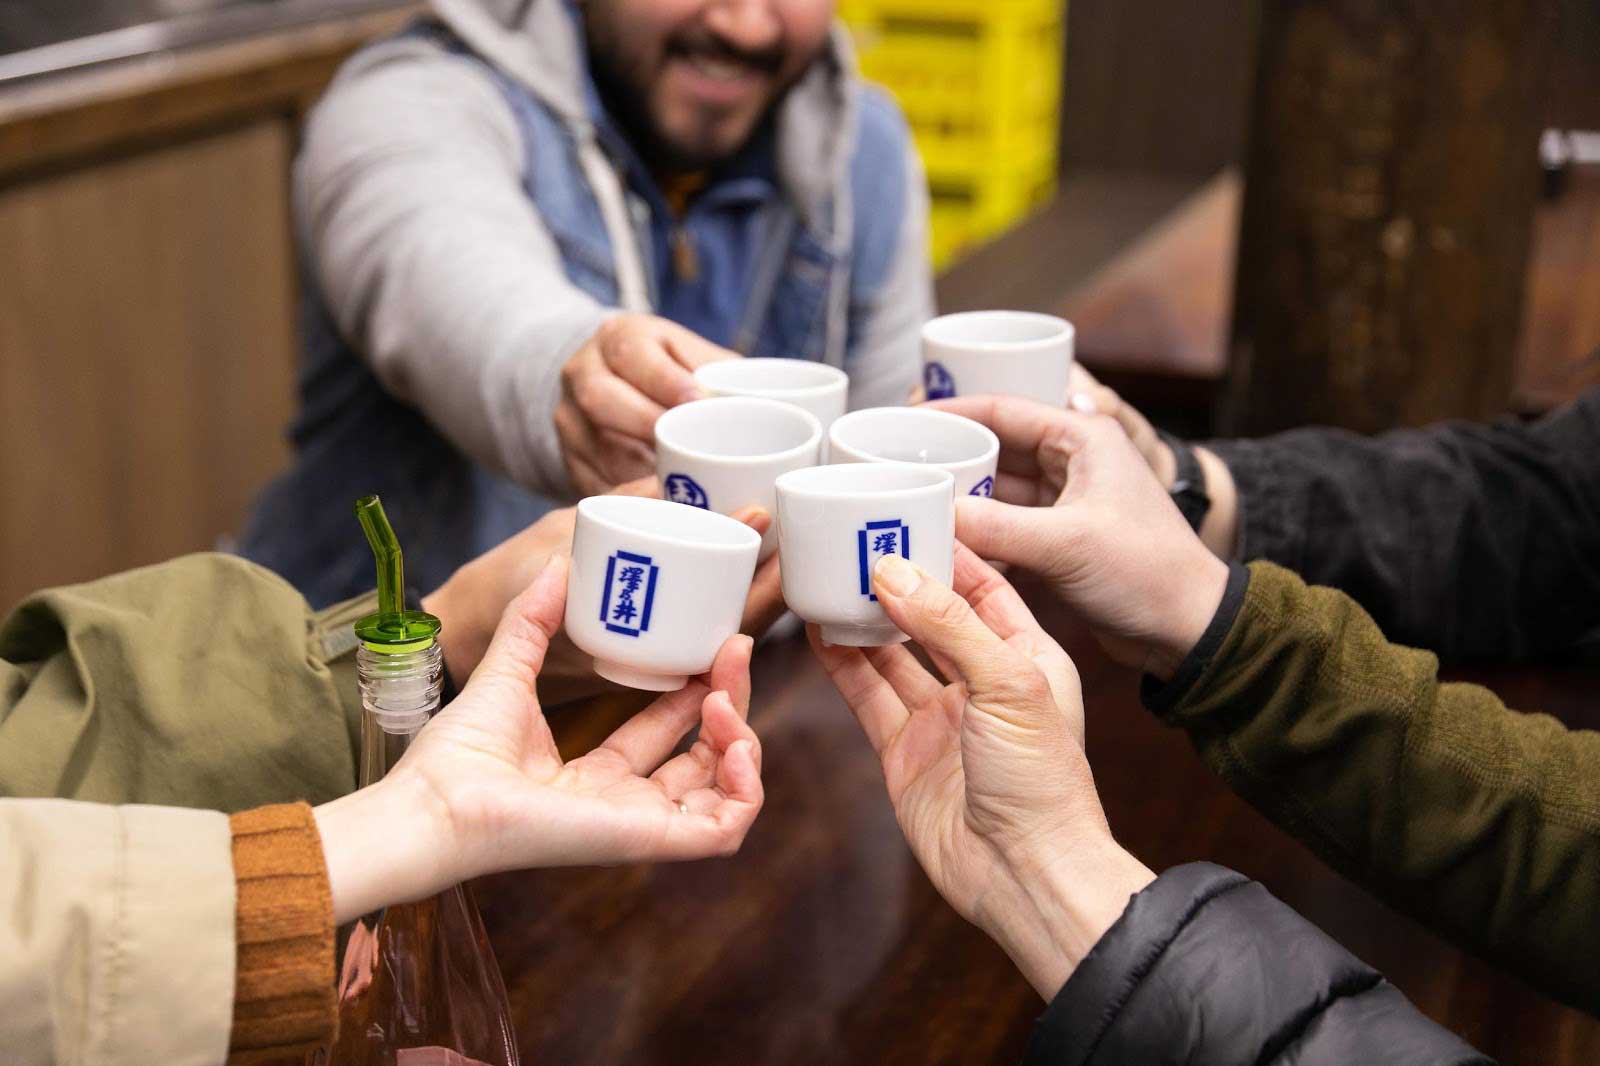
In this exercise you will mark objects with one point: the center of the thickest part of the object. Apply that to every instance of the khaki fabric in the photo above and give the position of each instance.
(116, 935)
(202, 682)
(1479, 821)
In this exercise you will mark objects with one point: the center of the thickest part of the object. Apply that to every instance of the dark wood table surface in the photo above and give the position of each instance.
(822, 941)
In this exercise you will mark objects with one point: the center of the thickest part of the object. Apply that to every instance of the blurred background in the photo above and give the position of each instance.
(1258, 212)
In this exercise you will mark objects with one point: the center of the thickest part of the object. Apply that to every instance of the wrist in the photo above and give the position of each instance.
(1220, 529)
(1164, 463)
(1062, 906)
(1198, 589)
(387, 843)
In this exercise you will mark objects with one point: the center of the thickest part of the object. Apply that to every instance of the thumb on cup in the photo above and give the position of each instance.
(941, 621)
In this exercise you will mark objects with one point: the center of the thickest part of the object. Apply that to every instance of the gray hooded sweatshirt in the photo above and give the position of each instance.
(437, 268)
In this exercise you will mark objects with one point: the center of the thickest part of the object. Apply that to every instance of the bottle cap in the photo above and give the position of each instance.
(393, 630)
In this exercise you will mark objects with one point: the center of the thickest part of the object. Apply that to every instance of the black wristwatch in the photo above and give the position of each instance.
(1188, 483)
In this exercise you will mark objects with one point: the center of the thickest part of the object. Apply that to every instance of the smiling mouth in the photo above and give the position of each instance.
(720, 69)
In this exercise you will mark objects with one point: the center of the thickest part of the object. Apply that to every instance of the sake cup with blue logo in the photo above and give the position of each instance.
(968, 449)
(723, 454)
(816, 387)
(836, 522)
(1005, 353)
(656, 588)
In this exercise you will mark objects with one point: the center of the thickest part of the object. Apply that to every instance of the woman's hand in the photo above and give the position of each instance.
(483, 787)
(987, 773)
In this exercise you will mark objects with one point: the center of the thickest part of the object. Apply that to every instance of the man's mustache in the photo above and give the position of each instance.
(702, 42)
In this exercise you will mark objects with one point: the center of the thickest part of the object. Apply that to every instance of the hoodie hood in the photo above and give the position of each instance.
(538, 43)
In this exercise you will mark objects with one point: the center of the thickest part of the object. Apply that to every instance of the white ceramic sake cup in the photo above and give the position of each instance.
(968, 449)
(836, 522)
(655, 588)
(819, 388)
(1007, 353)
(725, 453)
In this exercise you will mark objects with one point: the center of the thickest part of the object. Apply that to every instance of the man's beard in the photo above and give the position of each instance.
(627, 101)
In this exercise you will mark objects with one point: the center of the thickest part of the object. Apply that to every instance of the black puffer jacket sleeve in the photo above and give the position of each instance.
(1207, 968)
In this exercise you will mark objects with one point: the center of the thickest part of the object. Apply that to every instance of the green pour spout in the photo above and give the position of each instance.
(393, 629)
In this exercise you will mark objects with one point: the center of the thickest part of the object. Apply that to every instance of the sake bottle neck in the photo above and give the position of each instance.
(399, 693)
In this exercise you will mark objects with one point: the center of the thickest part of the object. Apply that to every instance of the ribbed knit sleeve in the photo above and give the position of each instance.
(284, 986)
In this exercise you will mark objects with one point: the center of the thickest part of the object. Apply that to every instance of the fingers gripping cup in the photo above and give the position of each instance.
(968, 449)
(817, 387)
(724, 454)
(836, 522)
(1007, 353)
(655, 588)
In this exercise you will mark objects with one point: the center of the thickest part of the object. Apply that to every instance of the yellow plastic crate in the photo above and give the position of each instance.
(966, 211)
(980, 83)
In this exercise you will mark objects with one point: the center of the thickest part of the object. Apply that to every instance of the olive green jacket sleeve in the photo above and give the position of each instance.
(202, 682)
(1477, 820)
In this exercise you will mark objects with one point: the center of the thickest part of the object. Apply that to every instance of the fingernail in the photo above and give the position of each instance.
(1084, 404)
(898, 575)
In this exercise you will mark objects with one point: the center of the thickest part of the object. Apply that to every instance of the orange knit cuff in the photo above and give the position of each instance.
(283, 1001)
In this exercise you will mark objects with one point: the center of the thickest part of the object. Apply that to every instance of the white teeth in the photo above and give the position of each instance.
(718, 69)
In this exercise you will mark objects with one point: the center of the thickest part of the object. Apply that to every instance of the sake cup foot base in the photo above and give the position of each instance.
(633, 677)
(862, 636)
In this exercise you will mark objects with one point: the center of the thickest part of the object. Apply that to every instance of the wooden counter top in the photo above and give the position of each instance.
(823, 942)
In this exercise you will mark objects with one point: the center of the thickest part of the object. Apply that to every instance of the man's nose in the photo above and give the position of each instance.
(750, 25)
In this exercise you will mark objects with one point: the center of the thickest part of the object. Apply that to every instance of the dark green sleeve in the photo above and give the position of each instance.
(1479, 821)
(202, 682)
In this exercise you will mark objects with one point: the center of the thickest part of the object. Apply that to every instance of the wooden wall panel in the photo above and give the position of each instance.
(1389, 199)
(1155, 86)
(147, 354)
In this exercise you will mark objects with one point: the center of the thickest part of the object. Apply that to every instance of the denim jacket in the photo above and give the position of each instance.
(468, 216)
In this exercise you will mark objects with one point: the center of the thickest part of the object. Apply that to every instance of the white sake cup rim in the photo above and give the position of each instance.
(668, 425)
(669, 523)
(927, 416)
(845, 481)
(965, 329)
(728, 374)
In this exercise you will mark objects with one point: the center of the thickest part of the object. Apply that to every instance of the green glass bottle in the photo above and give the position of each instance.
(418, 982)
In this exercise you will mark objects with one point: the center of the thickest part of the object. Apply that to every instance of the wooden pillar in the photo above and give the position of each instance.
(1391, 181)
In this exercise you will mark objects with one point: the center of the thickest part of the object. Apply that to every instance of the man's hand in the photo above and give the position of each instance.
(615, 387)
(987, 772)
(1113, 545)
(483, 787)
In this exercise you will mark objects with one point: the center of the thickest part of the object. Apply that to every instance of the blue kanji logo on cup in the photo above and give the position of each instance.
(937, 382)
(877, 539)
(982, 488)
(629, 594)
(681, 488)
